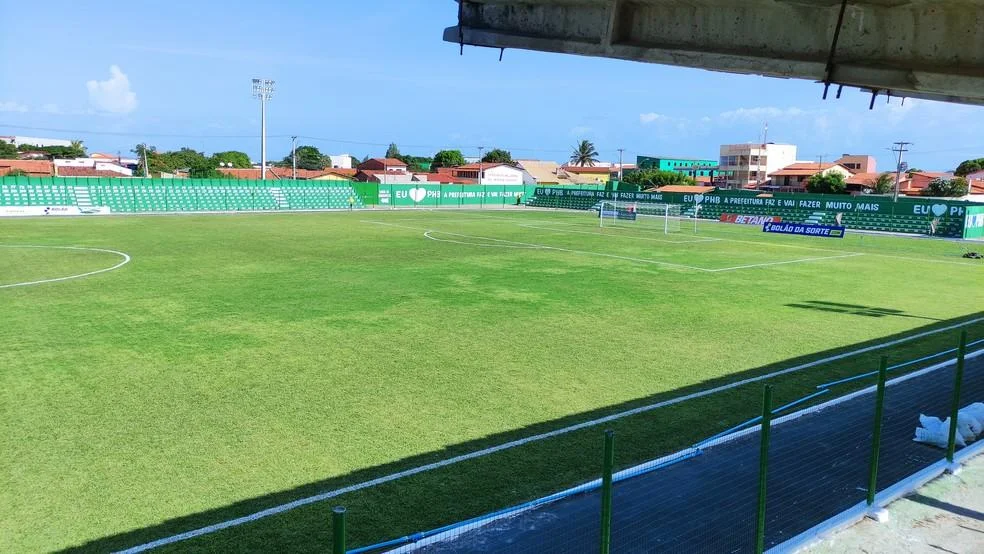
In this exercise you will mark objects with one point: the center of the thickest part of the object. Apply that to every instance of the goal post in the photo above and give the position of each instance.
(641, 215)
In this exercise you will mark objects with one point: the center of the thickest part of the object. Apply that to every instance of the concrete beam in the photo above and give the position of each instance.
(930, 49)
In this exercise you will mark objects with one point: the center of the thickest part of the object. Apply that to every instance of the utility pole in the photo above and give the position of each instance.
(263, 89)
(146, 167)
(480, 148)
(898, 147)
(620, 150)
(293, 156)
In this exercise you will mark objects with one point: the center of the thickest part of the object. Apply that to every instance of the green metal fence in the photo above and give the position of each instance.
(772, 482)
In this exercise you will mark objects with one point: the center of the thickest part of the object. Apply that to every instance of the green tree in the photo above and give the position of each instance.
(967, 167)
(152, 157)
(884, 184)
(497, 156)
(59, 152)
(7, 151)
(645, 179)
(393, 151)
(947, 187)
(829, 183)
(234, 157)
(448, 158)
(584, 154)
(417, 164)
(308, 157)
(204, 168)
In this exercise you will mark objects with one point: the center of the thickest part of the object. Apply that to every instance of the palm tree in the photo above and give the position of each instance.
(884, 184)
(584, 154)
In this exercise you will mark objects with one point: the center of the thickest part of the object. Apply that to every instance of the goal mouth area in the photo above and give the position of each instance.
(642, 215)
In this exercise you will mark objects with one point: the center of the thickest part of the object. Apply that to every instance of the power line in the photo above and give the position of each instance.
(127, 134)
(898, 147)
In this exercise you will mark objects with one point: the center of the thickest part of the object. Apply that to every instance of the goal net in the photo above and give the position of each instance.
(643, 215)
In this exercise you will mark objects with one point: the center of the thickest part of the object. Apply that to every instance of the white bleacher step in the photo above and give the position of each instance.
(815, 218)
(82, 197)
(278, 195)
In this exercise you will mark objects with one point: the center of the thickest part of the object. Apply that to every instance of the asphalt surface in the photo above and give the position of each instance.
(818, 467)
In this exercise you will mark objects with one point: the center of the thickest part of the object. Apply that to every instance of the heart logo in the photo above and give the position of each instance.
(939, 209)
(417, 194)
(698, 198)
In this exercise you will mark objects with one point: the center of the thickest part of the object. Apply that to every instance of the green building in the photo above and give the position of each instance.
(690, 166)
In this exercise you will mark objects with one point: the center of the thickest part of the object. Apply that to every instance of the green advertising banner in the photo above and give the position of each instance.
(974, 223)
(929, 207)
(449, 196)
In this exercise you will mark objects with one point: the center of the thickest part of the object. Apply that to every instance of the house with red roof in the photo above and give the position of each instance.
(793, 177)
(32, 168)
(383, 164)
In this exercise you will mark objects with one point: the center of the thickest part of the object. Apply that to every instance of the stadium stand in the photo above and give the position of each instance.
(177, 195)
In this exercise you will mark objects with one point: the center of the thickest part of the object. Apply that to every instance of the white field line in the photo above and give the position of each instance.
(846, 253)
(543, 247)
(126, 260)
(606, 255)
(618, 236)
(428, 235)
(457, 531)
(327, 495)
(801, 260)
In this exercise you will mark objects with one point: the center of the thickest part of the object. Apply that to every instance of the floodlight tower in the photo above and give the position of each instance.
(263, 89)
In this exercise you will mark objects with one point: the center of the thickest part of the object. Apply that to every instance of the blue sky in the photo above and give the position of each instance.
(378, 71)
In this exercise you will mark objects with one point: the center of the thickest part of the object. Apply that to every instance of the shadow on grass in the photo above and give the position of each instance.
(855, 309)
(477, 486)
(946, 506)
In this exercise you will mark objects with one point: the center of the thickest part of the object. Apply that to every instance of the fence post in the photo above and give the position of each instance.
(763, 468)
(606, 492)
(338, 530)
(955, 408)
(876, 438)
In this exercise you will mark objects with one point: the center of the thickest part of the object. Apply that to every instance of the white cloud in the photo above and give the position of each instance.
(651, 117)
(51, 108)
(11, 106)
(580, 130)
(762, 113)
(112, 95)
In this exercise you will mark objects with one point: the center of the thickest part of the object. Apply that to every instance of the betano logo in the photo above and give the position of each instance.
(750, 219)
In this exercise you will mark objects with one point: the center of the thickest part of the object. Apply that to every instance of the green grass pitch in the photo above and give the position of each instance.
(238, 362)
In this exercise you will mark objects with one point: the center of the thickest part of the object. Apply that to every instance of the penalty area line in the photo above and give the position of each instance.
(274, 510)
(537, 246)
(768, 264)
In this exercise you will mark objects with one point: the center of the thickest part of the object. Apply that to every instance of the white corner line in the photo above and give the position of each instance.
(126, 260)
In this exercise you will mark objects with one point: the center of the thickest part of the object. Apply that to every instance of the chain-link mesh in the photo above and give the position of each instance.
(705, 498)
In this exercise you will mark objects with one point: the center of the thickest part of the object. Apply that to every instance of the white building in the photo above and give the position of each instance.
(341, 161)
(494, 174)
(749, 165)
(36, 141)
(94, 164)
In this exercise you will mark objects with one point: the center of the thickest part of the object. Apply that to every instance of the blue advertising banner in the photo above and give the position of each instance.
(804, 229)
